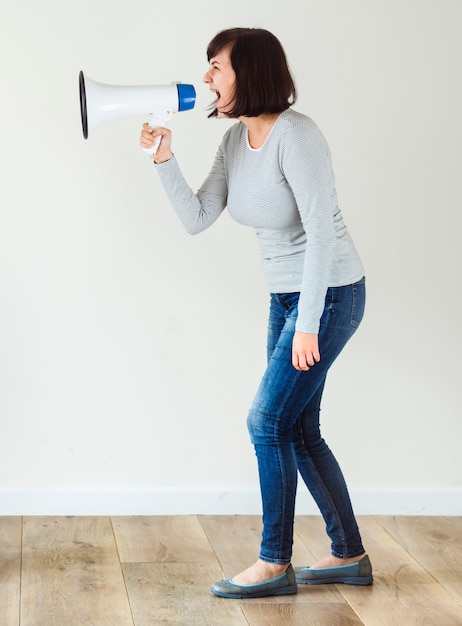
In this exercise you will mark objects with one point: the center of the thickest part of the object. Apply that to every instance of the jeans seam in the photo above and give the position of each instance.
(354, 305)
(333, 507)
(280, 559)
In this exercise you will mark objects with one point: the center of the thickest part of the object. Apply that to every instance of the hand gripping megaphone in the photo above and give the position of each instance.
(100, 103)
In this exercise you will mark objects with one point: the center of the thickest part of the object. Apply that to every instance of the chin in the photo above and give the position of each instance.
(223, 115)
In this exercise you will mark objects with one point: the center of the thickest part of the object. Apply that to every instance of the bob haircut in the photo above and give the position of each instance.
(264, 83)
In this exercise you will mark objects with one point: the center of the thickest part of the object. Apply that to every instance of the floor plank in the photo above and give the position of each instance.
(162, 539)
(296, 613)
(71, 573)
(10, 549)
(436, 546)
(178, 593)
(402, 593)
(10, 569)
(9, 604)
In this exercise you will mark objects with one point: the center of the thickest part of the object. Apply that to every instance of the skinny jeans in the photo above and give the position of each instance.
(284, 427)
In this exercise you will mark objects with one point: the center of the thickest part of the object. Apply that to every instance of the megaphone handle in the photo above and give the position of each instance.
(154, 122)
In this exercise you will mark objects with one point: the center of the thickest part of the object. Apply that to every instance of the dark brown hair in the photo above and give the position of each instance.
(264, 83)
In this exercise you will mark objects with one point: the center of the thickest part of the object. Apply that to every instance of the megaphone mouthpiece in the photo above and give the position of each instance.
(186, 97)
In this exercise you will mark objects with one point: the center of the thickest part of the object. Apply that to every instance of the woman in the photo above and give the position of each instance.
(273, 172)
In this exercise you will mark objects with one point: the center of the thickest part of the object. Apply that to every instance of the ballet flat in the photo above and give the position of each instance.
(282, 585)
(359, 573)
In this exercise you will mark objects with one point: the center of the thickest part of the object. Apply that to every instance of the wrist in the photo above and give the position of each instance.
(162, 159)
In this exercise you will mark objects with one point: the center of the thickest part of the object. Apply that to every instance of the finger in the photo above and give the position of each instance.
(146, 139)
(313, 358)
(299, 362)
(295, 360)
(151, 136)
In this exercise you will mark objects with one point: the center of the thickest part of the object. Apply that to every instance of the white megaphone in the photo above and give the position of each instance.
(101, 103)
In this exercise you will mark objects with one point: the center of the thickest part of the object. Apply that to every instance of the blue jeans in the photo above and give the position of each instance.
(283, 424)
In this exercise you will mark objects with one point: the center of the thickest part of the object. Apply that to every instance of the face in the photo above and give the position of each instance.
(221, 79)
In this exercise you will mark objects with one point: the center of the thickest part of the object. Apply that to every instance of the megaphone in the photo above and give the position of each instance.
(100, 103)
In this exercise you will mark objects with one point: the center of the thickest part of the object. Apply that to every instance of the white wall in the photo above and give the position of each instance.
(130, 351)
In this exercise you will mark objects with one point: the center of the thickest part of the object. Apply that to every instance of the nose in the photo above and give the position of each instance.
(207, 78)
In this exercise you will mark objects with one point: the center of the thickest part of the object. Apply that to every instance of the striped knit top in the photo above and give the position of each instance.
(285, 190)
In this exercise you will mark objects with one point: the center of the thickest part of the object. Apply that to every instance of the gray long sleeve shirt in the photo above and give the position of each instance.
(285, 190)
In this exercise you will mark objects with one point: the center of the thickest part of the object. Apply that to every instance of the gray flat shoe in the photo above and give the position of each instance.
(283, 585)
(359, 573)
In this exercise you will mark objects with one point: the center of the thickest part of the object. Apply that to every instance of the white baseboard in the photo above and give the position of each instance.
(226, 501)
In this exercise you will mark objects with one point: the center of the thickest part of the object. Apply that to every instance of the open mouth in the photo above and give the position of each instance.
(220, 104)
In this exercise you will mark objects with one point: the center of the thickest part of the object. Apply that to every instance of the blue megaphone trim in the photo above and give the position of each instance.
(186, 97)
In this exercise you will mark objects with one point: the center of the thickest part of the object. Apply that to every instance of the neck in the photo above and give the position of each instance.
(259, 127)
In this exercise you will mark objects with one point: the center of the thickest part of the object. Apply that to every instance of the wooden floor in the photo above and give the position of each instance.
(143, 571)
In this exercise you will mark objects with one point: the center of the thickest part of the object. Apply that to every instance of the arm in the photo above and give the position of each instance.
(196, 211)
(307, 168)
